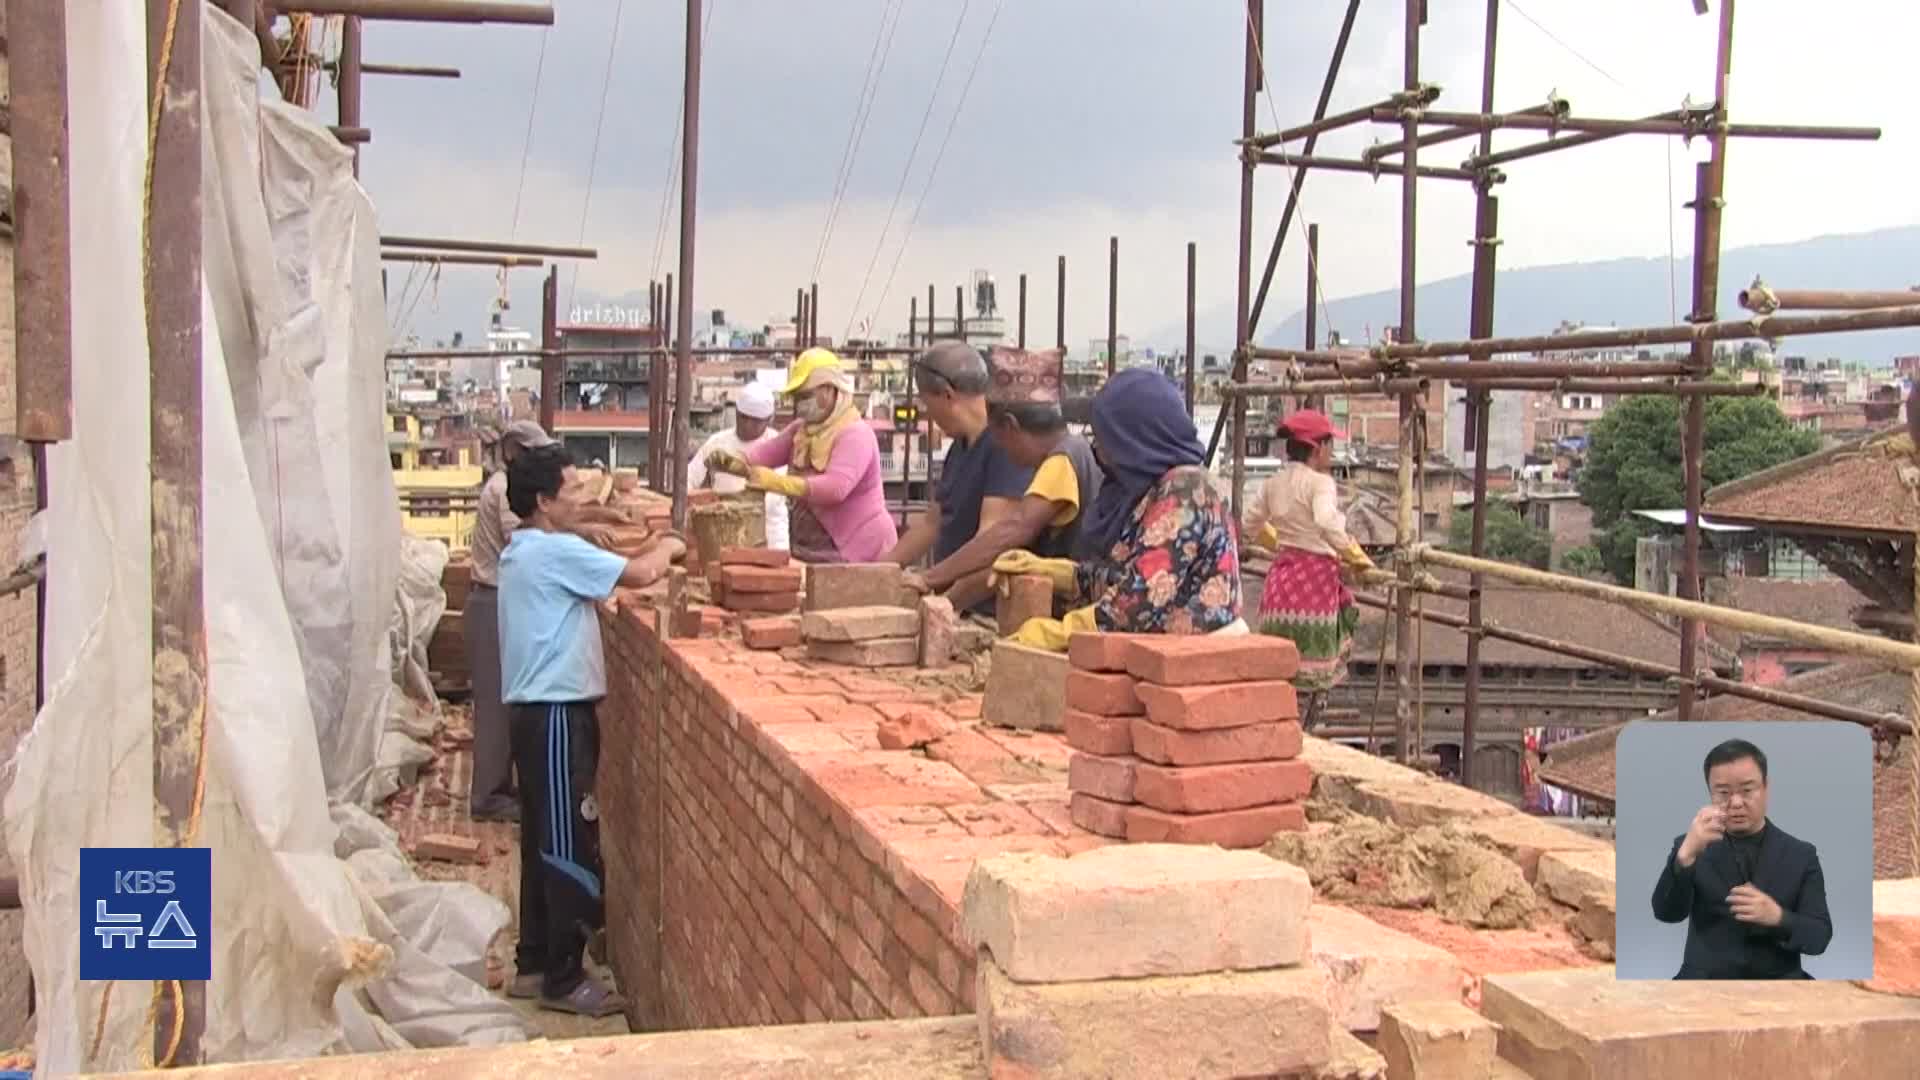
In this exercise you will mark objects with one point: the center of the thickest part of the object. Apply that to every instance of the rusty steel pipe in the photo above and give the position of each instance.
(689, 189)
(456, 258)
(1417, 98)
(42, 223)
(424, 71)
(1762, 300)
(1693, 122)
(1424, 172)
(1642, 389)
(1021, 331)
(436, 11)
(1059, 309)
(487, 247)
(551, 362)
(1556, 107)
(1187, 382)
(1113, 303)
(352, 136)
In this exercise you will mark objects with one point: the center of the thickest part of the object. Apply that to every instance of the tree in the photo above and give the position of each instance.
(1584, 561)
(1633, 462)
(1510, 537)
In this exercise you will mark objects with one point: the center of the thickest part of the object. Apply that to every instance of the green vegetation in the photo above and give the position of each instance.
(1510, 537)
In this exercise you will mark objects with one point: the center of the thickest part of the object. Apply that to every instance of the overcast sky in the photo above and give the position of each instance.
(1087, 119)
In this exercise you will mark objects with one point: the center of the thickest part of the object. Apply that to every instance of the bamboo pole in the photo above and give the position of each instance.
(1893, 653)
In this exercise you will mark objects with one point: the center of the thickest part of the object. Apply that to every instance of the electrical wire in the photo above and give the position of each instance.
(863, 111)
(599, 124)
(1299, 219)
(945, 62)
(920, 204)
(673, 157)
(526, 143)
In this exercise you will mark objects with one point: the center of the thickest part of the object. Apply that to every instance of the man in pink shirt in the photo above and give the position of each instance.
(839, 506)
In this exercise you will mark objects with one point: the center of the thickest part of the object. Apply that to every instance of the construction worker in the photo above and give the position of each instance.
(751, 411)
(1158, 552)
(1024, 421)
(490, 795)
(553, 673)
(839, 511)
(979, 484)
(1297, 516)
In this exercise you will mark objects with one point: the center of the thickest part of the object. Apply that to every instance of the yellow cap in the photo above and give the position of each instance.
(813, 367)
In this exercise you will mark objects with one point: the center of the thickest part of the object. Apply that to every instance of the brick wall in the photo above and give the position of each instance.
(740, 891)
(17, 645)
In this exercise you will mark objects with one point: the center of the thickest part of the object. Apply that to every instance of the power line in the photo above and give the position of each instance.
(863, 111)
(599, 123)
(933, 172)
(526, 144)
(945, 62)
(673, 157)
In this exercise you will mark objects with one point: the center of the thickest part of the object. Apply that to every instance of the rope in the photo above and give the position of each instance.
(920, 204)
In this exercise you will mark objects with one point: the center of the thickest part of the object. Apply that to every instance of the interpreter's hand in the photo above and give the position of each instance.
(917, 581)
(764, 479)
(726, 461)
(1708, 825)
(1750, 905)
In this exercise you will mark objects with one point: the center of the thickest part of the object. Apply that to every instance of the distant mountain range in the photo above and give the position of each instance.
(1634, 292)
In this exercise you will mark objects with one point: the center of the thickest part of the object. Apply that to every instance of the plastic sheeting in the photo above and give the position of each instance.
(300, 579)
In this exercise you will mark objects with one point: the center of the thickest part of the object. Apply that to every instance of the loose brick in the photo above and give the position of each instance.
(913, 728)
(845, 585)
(1209, 789)
(1136, 910)
(938, 624)
(760, 579)
(1026, 688)
(449, 848)
(1099, 652)
(1568, 876)
(770, 557)
(1108, 735)
(1229, 829)
(1369, 966)
(882, 652)
(1109, 778)
(1209, 708)
(1028, 596)
(1205, 660)
(861, 624)
(1434, 1039)
(1103, 695)
(770, 633)
(1257, 1023)
(776, 603)
(1251, 742)
(1097, 815)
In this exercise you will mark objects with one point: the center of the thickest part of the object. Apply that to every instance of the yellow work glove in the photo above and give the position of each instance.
(1356, 562)
(1053, 634)
(1020, 563)
(766, 479)
(1268, 537)
(726, 461)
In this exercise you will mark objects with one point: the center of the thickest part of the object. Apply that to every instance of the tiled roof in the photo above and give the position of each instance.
(1856, 485)
(1574, 619)
(1827, 602)
(1585, 765)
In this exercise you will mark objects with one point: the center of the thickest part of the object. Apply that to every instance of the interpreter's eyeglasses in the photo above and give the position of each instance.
(1725, 796)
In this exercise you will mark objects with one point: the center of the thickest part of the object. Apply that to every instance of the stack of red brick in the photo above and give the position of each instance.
(1185, 739)
(756, 581)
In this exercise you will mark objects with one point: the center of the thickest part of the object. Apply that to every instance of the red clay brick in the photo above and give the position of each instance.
(1099, 734)
(939, 624)
(1028, 596)
(735, 556)
(1228, 705)
(845, 585)
(770, 633)
(1206, 789)
(778, 603)
(1229, 829)
(859, 624)
(880, 652)
(1251, 742)
(1103, 695)
(1110, 778)
(761, 579)
(1097, 815)
(1099, 652)
(1204, 660)
(449, 848)
(914, 728)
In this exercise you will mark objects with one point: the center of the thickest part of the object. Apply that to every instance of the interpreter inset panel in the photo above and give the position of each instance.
(1744, 851)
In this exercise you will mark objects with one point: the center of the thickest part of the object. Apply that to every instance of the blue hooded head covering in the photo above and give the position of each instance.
(1142, 427)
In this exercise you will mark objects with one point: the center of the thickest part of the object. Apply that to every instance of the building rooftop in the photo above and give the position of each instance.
(1585, 765)
(1827, 602)
(1856, 486)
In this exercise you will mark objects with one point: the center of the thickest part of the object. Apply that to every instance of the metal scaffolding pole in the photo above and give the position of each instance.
(1059, 308)
(1113, 303)
(349, 79)
(1243, 311)
(42, 224)
(689, 189)
(1312, 308)
(552, 364)
(1188, 381)
(1403, 517)
(1021, 339)
(488, 247)
(441, 11)
(454, 258)
(1486, 240)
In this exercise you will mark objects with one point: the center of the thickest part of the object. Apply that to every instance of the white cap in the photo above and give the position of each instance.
(756, 401)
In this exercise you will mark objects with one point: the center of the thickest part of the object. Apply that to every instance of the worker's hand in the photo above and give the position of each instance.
(1750, 905)
(1708, 825)
(600, 536)
(1268, 537)
(917, 581)
(1016, 563)
(1355, 559)
(726, 461)
(1054, 634)
(765, 479)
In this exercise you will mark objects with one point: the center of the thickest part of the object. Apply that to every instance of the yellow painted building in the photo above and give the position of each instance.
(437, 501)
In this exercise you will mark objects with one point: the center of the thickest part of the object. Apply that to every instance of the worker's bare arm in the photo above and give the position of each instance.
(648, 567)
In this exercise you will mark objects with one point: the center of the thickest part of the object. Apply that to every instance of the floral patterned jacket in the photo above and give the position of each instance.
(1176, 567)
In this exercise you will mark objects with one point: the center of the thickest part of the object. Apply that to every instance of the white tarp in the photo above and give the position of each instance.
(301, 553)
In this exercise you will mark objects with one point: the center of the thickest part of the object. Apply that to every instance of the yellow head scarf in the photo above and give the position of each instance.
(813, 443)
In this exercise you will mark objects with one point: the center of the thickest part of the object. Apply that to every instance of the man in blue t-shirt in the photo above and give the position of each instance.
(552, 672)
(979, 484)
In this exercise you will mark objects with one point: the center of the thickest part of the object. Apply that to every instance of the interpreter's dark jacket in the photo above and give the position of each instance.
(1720, 946)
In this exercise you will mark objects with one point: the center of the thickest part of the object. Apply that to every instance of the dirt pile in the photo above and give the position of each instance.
(1357, 859)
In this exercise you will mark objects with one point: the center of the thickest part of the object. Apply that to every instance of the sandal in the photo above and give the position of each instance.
(589, 999)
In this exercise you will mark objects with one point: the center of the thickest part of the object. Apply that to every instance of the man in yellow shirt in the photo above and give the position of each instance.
(1023, 411)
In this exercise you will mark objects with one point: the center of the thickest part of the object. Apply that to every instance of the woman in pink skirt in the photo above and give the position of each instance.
(1298, 516)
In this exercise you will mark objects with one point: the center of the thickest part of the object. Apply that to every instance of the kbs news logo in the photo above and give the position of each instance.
(146, 913)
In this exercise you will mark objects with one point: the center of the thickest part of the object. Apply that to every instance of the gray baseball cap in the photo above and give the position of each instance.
(527, 435)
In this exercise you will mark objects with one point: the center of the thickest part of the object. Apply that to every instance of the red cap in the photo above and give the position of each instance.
(1309, 426)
